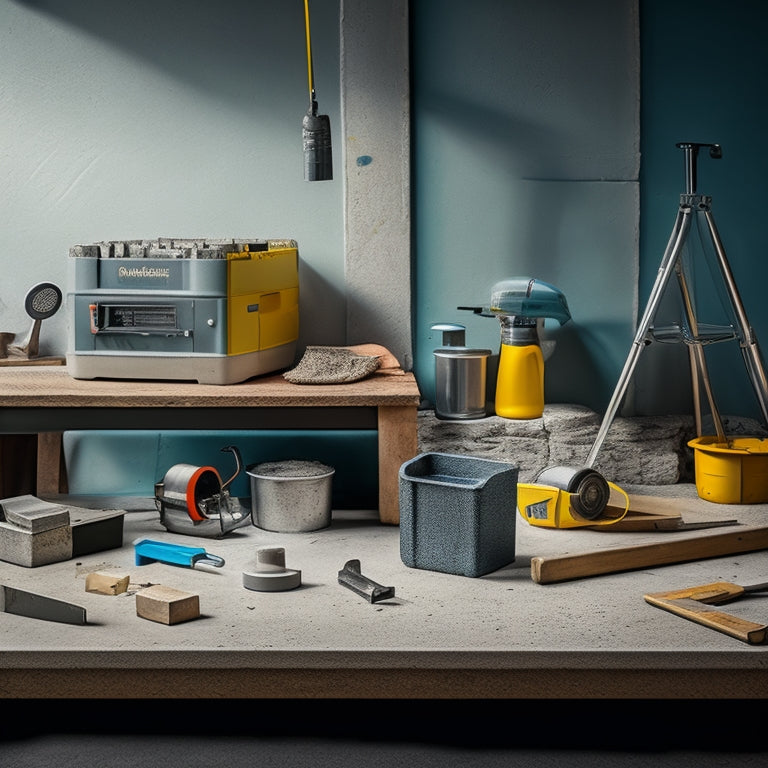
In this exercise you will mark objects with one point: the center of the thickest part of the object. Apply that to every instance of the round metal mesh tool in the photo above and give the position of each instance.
(41, 302)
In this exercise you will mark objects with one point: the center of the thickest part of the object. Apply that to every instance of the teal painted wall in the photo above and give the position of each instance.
(704, 70)
(525, 159)
(531, 156)
(525, 162)
(129, 462)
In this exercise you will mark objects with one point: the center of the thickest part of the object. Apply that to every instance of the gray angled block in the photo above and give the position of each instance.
(33, 514)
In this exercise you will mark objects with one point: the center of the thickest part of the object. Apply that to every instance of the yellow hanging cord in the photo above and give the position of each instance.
(309, 53)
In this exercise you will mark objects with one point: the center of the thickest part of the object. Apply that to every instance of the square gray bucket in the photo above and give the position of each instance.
(457, 513)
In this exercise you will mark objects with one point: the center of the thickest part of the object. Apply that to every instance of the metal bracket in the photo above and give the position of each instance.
(351, 577)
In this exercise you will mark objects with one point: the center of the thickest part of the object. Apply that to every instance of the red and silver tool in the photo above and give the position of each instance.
(194, 500)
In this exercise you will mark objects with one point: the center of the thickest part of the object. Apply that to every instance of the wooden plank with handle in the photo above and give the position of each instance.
(547, 570)
(695, 604)
(660, 513)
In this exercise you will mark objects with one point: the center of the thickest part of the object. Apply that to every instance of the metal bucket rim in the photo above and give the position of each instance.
(323, 471)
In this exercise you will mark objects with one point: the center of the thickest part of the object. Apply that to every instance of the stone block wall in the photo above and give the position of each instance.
(640, 450)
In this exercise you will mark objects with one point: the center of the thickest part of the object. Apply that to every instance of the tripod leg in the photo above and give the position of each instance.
(695, 383)
(749, 347)
(699, 374)
(679, 233)
(699, 371)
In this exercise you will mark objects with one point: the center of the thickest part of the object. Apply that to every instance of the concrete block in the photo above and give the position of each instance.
(524, 443)
(29, 549)
(33, 514)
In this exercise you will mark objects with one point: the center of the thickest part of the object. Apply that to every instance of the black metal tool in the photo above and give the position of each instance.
(316, 129)
(351, 577)
(23, 603)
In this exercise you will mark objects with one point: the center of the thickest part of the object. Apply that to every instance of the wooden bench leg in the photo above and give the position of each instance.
(17, 464)
(398, 442)
(51, 476)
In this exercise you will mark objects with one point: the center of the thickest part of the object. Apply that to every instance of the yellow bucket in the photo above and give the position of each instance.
(734, 472)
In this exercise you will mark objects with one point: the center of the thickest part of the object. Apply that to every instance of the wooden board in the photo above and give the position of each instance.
(663, 513)
(699, 604)
(547, 570)
(16, 361)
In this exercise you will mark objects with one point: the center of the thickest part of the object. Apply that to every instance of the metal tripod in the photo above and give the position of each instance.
(694, 335)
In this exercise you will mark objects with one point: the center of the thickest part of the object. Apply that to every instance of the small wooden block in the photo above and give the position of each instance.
(107, 583)
(167, 605)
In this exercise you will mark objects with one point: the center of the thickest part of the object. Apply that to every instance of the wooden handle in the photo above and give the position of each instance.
(712, 594)
(701, 613)
(546, 570)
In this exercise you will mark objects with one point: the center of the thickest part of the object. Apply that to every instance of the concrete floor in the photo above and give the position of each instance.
(503, 617)
(431, 612)
(436, 622)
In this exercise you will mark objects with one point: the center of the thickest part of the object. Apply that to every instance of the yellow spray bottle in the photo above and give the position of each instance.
(521, 304)
(520, 377)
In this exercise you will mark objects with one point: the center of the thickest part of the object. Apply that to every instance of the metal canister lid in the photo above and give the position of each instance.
(461, 352)
(454, 334)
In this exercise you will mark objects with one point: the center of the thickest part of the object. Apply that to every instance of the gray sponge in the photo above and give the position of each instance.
(331, 365)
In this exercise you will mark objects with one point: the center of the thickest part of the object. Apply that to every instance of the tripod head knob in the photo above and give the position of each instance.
(691, 149)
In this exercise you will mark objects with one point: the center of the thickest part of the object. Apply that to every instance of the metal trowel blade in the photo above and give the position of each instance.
(22, 603)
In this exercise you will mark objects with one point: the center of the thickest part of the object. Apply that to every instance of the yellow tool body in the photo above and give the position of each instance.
(520, 382)
(547, 506)
(695, 604)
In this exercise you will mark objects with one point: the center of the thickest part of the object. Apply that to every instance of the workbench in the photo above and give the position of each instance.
(47, 401)
(441, 636)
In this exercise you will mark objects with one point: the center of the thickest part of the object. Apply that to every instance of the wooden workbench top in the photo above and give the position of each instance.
(53, 386)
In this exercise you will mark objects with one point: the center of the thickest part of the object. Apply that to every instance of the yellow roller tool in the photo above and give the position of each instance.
(566, 498)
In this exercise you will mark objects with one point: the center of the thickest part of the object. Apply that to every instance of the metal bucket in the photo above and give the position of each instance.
(460, 379)
(291, 496)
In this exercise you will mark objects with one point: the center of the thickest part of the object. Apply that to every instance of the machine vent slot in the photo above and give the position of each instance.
(139, 317)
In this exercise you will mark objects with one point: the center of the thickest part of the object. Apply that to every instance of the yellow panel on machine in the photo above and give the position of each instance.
(212, 311)
(259, 279)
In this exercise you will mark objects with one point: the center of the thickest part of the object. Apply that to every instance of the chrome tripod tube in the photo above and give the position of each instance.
(690, 204)
(642, 336)
(748, 344)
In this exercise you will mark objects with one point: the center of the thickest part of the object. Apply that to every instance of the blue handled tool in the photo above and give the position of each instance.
(150, 551)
